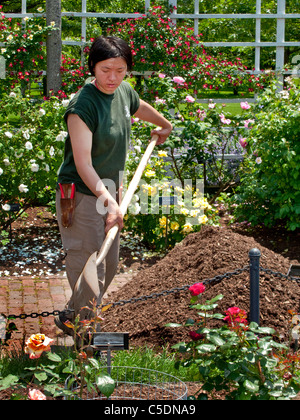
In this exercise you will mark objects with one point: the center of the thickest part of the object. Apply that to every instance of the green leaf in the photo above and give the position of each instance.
(205, 307)
(251, 387)
(106, 385)
(216, 339)
(41, 376)
(215, 299)
(206, 348)
(173, 325)
(54, 357)
(8, 382)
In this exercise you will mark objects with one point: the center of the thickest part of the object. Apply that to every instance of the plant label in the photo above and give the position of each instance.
(2, 327)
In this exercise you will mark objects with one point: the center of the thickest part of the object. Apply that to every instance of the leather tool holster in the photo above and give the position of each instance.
(67, 204)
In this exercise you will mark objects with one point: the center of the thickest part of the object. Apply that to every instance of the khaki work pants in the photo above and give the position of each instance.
(80, 241)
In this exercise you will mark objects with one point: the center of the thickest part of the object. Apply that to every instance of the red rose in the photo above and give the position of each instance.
(195, 336)
(197, 289)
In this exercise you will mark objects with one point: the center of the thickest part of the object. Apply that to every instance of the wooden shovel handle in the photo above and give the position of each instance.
(112, 233)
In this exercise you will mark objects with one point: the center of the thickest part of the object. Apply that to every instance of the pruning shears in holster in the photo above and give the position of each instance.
(67, 203)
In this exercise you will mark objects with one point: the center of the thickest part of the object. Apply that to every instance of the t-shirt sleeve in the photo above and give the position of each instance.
(135, 104)
(82, 106)
(134, 99)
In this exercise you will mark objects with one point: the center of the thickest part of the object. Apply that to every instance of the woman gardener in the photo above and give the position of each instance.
(99, 126)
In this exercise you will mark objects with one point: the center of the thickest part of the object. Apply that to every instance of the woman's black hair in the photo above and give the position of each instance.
(104, 48)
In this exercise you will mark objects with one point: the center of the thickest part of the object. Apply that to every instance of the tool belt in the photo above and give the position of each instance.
(67, 204)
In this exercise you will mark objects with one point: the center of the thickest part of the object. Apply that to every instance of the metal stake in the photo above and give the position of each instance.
(254, 255)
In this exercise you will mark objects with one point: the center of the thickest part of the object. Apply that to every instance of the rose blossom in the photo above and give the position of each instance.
(36, 395)
(235, 316)
(190, 99)
(23, 188)
(224, 120)
(195, 336)
(179, 80)
(243, 143)
(37, 344)
(245, 105)
(197, 289)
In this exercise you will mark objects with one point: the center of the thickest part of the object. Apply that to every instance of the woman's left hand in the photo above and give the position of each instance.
(162, 134)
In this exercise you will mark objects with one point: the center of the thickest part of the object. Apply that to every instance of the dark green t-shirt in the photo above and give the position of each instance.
(109, 119)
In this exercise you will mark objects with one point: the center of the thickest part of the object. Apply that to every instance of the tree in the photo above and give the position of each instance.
(54, 46)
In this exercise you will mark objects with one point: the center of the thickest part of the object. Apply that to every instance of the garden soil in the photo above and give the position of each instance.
(213, 251)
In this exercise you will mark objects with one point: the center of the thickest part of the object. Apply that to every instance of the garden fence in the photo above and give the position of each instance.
(281, 16)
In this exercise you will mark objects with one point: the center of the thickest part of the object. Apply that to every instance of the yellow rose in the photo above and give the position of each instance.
(184, 211)
(174, 226)
(37, 344)
(163, 222)
(203, 219)
(149, 189)
(187, 228)
(162, 153)
(149, 173)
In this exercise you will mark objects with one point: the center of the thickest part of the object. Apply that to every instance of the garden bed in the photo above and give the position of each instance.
(213, 251)
(200, 256)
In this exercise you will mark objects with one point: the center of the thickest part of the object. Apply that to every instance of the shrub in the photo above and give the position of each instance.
(31, 151)
(242, 361)
(23, 50)
(270, 184)
(158, 45)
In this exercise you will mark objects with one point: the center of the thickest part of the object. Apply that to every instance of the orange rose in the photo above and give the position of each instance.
(37, 344)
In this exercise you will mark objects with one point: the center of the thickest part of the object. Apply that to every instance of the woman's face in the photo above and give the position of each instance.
(110, 74)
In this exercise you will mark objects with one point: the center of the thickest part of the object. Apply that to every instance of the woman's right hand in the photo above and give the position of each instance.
(114, 216)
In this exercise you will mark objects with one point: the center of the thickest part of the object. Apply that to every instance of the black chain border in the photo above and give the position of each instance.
(214, 280)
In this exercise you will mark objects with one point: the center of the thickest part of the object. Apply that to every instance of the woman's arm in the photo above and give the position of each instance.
(81, 140)
(147, 113)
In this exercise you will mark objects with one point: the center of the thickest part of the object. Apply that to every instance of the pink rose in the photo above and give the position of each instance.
(224, 120)
(197, 289)
(190, 99)
(247, 122)
(243, 142)
(179, 80)
(36, 395)
(245, 105)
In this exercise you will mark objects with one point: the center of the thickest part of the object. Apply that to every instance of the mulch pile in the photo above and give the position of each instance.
(213, 251)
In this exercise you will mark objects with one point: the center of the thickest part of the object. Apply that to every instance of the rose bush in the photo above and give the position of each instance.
(270, 183)
(31, 151)
(162, 224)
(242, 361)
(160, 46)
(24, 51)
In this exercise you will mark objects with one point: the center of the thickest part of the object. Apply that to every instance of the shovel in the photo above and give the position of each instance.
(87, 285)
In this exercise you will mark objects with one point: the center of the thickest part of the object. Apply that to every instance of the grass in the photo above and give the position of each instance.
(149, 359)
(18, 364)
